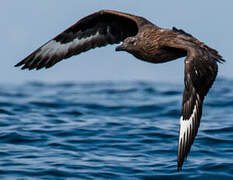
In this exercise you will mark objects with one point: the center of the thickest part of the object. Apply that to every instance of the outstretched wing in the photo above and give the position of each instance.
(200, 72)
(96, 30)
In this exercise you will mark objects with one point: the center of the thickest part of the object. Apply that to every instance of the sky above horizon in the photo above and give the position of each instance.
(26, 25)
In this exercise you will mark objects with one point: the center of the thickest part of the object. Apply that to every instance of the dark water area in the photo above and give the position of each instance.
(110, 130)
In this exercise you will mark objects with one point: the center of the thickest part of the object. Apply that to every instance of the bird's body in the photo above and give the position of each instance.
(147, 42)
(149, 48)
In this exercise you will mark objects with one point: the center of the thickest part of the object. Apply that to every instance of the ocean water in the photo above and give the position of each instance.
(110, 130)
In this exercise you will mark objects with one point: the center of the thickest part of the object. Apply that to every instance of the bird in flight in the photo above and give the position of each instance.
(147, 42)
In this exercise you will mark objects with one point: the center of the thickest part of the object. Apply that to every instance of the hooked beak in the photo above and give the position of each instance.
(120, 48)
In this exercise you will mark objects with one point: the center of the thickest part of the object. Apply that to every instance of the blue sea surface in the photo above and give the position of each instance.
(110, 130)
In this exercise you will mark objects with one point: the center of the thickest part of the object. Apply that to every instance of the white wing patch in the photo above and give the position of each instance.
(188, 124)
(53, 47)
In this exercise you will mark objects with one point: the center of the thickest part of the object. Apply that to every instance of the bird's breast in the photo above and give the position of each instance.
(159, 55)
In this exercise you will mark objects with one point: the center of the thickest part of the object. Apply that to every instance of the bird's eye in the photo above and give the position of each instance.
(133, 42)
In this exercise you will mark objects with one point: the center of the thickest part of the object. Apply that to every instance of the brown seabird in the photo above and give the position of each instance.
(147, 42)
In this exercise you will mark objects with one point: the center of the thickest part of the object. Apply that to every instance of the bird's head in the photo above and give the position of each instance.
(129, 45)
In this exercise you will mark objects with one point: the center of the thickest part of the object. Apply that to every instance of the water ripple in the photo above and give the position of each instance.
(108, 130)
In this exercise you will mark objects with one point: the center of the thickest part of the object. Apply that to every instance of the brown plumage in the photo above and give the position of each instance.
(147, 42)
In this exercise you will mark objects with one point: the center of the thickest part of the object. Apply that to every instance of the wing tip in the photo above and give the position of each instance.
(25, 66)
(19, 63)
(26, 63)
(179, 168)
(221, 60)
(180, 162)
